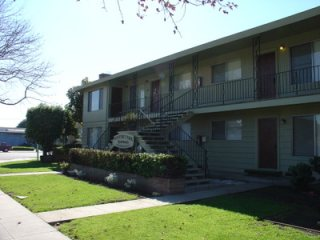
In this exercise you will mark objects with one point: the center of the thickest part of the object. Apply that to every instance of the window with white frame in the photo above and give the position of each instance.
(301, 63)
(183, 81)
(142, 99)
(95, 100)
(306, 135)
(226, 71)
(93, 135)
(227, 130)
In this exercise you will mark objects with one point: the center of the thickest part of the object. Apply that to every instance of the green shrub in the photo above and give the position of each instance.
(301, 176)
(22, 148)
(144, 164)
(61, 153)
(315, 164)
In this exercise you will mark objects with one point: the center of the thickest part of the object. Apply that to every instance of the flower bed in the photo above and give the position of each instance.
(161, 173)
(151, 185)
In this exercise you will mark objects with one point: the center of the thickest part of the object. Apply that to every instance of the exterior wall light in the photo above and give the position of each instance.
(282, 48)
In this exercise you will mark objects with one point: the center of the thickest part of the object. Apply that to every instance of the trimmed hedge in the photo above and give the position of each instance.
(22, 148)
(143, 164)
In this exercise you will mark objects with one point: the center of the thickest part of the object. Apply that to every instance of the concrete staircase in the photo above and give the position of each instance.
(196, 179)
(152, 139)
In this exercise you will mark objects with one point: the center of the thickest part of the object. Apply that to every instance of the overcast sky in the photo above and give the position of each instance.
(80, 39)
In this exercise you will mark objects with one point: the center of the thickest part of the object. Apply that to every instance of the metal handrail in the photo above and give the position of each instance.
(145, 115)
(98, 144)
(190, 147)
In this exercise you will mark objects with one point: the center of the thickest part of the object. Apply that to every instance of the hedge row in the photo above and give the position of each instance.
(144, 164)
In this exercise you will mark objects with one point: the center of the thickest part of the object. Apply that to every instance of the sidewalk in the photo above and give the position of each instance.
(18, 223)
(81, 212)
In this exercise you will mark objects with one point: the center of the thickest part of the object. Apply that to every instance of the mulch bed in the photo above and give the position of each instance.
(304, 206)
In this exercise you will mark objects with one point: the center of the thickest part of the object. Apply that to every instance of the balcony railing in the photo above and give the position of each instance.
(300, 82)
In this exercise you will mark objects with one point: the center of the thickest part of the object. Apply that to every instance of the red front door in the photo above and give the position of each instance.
(267, 143)
(266, 76)
(155, 96)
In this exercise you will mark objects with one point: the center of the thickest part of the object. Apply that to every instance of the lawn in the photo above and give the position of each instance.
(27, 166)
(237, 216)
(52, 192)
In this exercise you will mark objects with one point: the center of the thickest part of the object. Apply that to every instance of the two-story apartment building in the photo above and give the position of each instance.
(247, 101)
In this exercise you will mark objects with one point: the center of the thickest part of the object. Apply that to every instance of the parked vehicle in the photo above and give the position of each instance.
(5, 147)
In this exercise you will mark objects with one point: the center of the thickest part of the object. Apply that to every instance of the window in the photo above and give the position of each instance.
(218, 73)
(133, 97)
(183, 81)
(95, 100)
(218, 130)
(93, 137)
(142, 100)
(226, 71)
(306, 135)
(227, 130)
(234, 130)
(301, 63)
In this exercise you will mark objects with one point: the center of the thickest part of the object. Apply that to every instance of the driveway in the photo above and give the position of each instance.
(18, 155)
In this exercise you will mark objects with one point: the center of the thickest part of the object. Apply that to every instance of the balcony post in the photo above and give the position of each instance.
(195, 85)
(171, 85)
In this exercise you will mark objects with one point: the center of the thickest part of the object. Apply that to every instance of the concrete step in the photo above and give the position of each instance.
(193, 169)
(152, 137)
(152, 141)
(149, 133)
(194, 175)
(190, 182)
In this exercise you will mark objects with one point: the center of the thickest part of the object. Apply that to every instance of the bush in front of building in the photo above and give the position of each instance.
(61, 153)
(315, 164)
(143, 164)
(301, 176)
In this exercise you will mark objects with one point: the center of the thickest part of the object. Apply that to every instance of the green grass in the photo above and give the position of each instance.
(52, 192)
(227, 217)
(27, 166)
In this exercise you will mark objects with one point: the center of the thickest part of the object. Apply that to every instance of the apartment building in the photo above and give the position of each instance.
(249, 101)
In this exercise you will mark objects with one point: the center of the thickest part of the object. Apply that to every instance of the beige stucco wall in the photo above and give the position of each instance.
(237, 155)
(95, 118)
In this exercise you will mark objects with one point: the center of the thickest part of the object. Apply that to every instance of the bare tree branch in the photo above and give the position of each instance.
(22, 73)
(170, 8)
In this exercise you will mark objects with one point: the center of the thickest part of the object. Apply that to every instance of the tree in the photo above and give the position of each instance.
(22, 124)
(169, 8)
(45, 125)
(21, 69)
(75, 104)
(69, 125)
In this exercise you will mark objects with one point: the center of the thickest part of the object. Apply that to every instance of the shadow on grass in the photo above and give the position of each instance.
(279, 204)
(31, 164)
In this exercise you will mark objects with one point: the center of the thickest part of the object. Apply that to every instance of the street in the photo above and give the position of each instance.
(14, 155)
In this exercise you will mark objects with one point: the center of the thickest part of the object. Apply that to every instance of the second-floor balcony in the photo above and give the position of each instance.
(294, 83)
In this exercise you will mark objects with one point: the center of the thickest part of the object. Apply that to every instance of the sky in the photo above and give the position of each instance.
(81, 39)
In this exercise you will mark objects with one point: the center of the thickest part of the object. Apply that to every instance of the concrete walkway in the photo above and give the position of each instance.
(27, 174)
(81, 212)
(18, 223)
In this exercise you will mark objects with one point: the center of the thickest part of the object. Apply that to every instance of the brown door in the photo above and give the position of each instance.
(155, 96)
(116, 101)
(266, 73)
(267, 143)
